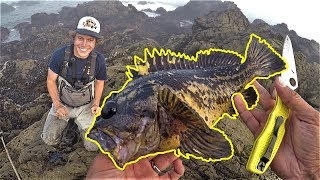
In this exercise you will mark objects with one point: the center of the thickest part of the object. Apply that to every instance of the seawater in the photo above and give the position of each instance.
(23, 13)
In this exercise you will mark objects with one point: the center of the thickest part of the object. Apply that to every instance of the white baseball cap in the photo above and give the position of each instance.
(89, 26)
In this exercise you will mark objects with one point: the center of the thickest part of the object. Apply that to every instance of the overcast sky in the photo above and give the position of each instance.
(300, 16)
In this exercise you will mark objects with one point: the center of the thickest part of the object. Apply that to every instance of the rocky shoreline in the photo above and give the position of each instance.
(127, 31)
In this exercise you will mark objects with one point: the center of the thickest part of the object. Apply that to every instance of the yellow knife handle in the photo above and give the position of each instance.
(268, 142)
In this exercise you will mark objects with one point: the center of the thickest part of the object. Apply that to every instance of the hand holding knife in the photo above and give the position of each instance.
(269, 140)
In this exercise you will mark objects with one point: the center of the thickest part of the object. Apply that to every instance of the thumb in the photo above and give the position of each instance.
(291, 98)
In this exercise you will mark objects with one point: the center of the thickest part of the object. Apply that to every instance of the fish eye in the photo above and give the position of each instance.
(109, 109)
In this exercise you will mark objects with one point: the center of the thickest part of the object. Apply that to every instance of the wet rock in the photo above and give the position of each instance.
(43, 19)
(143, 2)
(161, 10)
(4, 33)
(147, 10)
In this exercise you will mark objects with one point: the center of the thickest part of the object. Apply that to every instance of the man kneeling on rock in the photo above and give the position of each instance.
(75, 83)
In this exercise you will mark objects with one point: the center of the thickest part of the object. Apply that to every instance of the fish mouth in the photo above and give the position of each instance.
(105, 141)
(120, 152)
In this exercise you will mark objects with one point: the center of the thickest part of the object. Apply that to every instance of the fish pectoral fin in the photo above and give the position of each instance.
(205, 143)
(195, 136)
(172, 104)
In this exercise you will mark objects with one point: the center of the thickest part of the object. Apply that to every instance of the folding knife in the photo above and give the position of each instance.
(269, 140)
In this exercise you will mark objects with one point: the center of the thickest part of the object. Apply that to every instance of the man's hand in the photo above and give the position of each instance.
(103, 168)
(298, 155)
(95, 109)
(61, 112)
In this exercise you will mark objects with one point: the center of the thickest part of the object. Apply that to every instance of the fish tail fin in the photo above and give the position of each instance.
(262, 59)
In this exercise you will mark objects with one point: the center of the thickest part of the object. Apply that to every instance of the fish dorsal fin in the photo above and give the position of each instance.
(158, 60)
(195, 138)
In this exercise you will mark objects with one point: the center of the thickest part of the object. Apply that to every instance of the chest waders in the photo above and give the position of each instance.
(77, 92)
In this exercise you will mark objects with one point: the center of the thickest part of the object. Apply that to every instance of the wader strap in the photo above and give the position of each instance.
(93, 66)
(74, 70)
(86, 71)
(65, 61)
(69, 61)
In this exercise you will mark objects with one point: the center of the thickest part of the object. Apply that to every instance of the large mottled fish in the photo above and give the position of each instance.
(176, 102)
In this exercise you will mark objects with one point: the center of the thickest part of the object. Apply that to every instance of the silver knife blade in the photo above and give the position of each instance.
(289, 77)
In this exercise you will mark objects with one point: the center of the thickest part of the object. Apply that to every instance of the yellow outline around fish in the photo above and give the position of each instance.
(163, 52)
